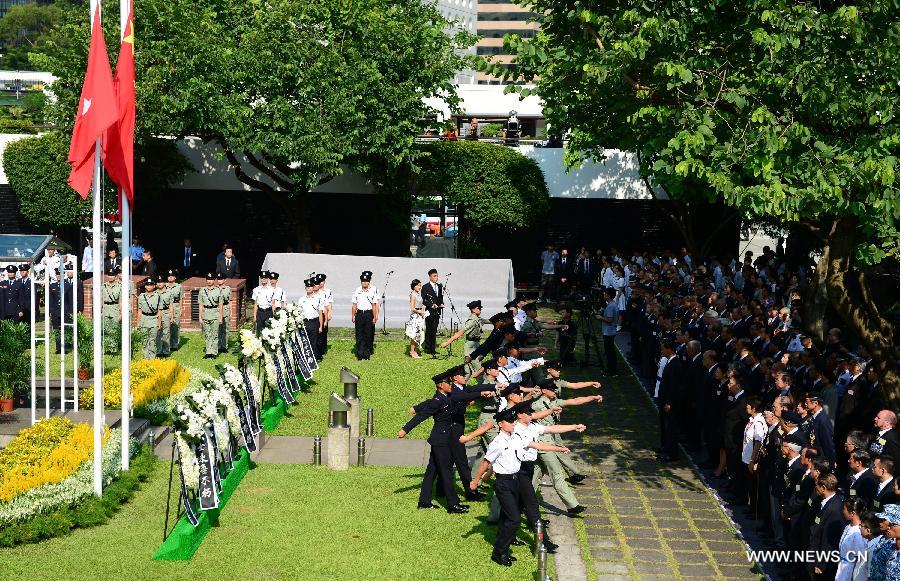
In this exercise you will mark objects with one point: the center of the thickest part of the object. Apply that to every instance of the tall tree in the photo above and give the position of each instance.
(294, 92)
(781, 108)
(23, 29)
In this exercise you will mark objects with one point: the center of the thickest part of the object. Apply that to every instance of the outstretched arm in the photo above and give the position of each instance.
(476, 433)
(581, 400)
(478, 474)
(544, 413)
(563, 428)
(453, 338)
(582, 384)
(541, 447)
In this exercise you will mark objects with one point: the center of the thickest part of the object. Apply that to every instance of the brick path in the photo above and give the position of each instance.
(645, 520)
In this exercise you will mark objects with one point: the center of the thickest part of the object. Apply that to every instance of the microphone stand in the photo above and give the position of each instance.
(454, 324)
(387, 279)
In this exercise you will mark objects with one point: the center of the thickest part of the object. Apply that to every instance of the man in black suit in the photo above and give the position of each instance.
(883, 470)
(886, 441)
(112, 260)
(735, 420)
(147, 265)
(228, 266)
(825, 534)
(565, 271)
(670, 392)
(433, 299)
(695, 375)
(862, 482)
(821, 434)
(790, 493)
(188, 257)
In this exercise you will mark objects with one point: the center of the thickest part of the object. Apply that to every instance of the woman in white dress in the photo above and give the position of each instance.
(852, 543)
(415, 326)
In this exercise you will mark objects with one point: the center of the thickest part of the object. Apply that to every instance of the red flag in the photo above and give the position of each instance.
(96, 111)
(119, 159)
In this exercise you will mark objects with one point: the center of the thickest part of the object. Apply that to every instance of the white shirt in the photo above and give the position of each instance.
(327, 296)
(308, 307)
(278, 296)
(529, 433)
(365, 299)
(515, 368)
(262, 296)
(87, 259)
(659, 371)
(519, 319)
(754, 431)
(503, 453)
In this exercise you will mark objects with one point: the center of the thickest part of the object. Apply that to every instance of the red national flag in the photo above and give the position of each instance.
(119, 159)
(96, 111)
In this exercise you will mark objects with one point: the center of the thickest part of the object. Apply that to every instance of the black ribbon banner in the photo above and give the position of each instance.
(216, 457)
(307, 348)
(252, 405)
(299, 359)
(185, 497)
(209, 498)
(289, 365)
(282, 384)
(246, 432)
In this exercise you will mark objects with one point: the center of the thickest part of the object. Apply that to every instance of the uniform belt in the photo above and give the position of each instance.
(265, 308)
(112, 303)
(312, 319)
(486, 410)
(363, 310)
(506, 476)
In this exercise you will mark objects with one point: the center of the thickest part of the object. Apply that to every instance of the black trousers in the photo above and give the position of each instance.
(457, 458)
(322, 343)
(609, 347)
(566, 348)
(431, 325)
(668, 432)
(506, 489)
(527, 496)
(312, 331)
(262, 315)
(737, 470)
(365, 334)
(439, 463)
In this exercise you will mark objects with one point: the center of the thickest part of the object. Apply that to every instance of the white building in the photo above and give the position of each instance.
(464, 16)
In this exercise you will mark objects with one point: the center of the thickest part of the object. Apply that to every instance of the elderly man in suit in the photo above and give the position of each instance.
(228, 266)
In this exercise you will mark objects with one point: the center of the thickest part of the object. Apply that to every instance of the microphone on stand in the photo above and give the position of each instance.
(390, 272)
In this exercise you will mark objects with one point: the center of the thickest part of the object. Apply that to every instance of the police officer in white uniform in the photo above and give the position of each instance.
(262, 301)
(312, 316)
(364, 315)
(279, 298)
(327, 301)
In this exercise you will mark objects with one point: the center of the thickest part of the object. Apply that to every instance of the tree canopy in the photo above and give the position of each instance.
(24, 29)
(780, 108)
(294, 92)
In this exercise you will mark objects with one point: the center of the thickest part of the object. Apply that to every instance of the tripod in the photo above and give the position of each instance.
(387, 279)
(589, 334)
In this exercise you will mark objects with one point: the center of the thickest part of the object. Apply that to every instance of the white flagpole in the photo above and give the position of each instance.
(126, 294)
(97, 300)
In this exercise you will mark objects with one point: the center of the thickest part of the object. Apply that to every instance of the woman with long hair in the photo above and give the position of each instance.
(415, 326)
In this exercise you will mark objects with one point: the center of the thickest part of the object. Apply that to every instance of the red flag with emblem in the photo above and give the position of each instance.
(96, 111)
(119, 159)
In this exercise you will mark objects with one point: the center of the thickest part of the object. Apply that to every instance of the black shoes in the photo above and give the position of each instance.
(428, 506)
(576, 510)
(517, 543)
(458, 509)
(551, 547)
(504, 560)
(475, 495)
(576, 478)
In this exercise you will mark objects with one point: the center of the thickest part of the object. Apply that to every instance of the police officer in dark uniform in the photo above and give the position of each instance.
(440, 408)
(27, 289)
(11, 296)
(53, 307)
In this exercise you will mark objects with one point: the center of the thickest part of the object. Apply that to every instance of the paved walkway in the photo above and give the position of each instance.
(645, 520)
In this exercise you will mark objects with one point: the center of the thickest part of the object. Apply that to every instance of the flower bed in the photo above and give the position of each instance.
(151, 380)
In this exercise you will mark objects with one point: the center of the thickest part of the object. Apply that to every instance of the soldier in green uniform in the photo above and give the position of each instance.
(225, 299)
(210, 315)
(554, 371)
(150, 323)
(533, 331)
(550, 461)
(472, 329)
(164, 341)
(176, 291)
(112, 311)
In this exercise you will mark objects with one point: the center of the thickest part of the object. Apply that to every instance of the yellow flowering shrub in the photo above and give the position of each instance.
(34, 443)
(54, 466)
(151, 379)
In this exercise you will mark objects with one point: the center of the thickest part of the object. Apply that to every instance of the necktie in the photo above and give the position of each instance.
(187, 257)
(227, 262)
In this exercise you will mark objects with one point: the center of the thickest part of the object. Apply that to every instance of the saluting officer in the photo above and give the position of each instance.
(327, 302)
(148, 304)
(312, 316)
(225, 300)
(211, 315)
(111, 311)
(176, 291)
(364, 315)
(164, 338)
(262, 301)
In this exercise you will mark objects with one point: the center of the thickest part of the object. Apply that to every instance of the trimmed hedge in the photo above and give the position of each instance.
(91, 512)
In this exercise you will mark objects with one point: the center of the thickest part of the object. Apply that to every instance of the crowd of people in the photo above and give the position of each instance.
(796, 429)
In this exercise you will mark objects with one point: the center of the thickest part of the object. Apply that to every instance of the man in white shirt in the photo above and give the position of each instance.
(312, 315)
(364, 315)
(262, 301)
(279, 298)
(327, 301)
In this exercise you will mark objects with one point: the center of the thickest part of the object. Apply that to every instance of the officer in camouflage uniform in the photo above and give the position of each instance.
(112, 312)
(151, 321)
(210, 315)
(225, 299)
(176, 291)
(164, 341)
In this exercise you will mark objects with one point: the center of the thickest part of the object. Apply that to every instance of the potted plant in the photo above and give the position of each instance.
(14, 362)
(85, 348)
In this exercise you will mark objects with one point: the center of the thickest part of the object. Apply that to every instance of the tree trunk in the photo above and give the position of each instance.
(851, 299)
(817, 298)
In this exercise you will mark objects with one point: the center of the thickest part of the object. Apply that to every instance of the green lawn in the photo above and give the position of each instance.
(389, 383)
(286, 522)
